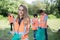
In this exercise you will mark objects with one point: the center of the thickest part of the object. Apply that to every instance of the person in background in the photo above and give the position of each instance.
(35, 24)
(21, 24)
(43, 25)
(11, 20)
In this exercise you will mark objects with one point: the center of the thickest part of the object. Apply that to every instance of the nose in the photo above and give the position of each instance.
(20, 11)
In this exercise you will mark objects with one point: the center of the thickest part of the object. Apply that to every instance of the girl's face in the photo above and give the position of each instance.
(21, 11)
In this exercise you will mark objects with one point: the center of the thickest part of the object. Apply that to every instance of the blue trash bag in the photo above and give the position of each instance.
(40, 34)
(16, 37)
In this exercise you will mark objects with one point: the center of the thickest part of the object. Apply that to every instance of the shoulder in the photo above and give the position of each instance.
(32, 18)
(16, 19)
(28, 19)
(45, 14)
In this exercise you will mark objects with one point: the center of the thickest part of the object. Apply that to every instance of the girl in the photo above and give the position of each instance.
(21, 25)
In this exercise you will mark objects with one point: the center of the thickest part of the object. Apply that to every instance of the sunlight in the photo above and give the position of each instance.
(30, 1)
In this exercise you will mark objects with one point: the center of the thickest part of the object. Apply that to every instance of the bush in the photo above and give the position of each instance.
(51, 16)
(1, 16)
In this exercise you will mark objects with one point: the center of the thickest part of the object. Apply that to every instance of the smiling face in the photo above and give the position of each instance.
(21, 11)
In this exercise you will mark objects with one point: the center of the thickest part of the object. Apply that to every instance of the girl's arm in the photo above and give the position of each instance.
(27, 26)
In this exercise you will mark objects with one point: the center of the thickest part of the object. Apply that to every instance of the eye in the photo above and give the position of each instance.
(22, 10)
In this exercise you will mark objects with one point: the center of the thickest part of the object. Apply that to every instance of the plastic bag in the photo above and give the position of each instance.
(16, 37)
(40, 34)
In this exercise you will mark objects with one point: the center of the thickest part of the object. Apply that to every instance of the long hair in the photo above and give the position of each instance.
(25, 13)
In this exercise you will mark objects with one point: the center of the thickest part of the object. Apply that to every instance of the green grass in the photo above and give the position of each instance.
(54, 24)
(53, 34)
(51, 16)
(4, 35)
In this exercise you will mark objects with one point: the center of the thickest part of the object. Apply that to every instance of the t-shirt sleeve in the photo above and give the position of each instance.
(46, 17)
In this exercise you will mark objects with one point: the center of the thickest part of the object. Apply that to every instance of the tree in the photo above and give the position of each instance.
(58, 5)
(9, 6)
(35, 6)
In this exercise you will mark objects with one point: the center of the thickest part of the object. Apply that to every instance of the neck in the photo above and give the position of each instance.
(21, 17)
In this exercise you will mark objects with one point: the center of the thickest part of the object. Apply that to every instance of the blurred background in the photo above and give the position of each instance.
(51, 7)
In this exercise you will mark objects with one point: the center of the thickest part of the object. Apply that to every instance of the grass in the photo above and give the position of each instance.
(53, 34)
(4, 35)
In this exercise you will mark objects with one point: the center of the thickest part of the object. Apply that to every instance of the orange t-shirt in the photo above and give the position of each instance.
(35, 23)
(21, 28)
(11, 19)
(43, 21)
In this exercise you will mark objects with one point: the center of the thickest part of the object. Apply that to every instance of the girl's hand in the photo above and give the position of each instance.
(23, 37)
(12, 32)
